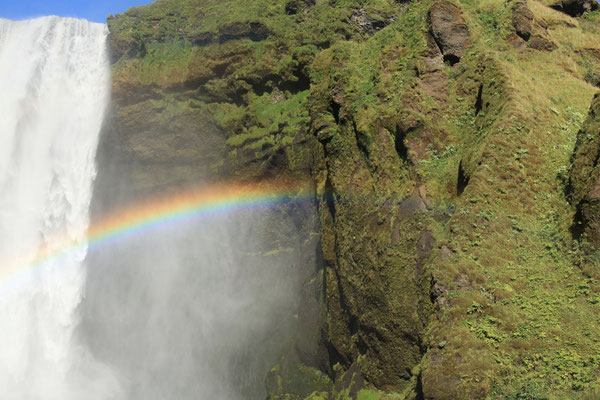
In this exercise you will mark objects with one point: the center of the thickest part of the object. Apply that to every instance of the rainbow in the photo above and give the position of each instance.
(156, 213)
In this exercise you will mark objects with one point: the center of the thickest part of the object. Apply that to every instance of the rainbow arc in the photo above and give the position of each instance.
(142, 217)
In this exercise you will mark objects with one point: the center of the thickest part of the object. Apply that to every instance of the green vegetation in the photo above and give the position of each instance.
(446, 192)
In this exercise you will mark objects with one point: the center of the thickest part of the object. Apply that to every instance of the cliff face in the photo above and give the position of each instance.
(456, 198)
(585, 181)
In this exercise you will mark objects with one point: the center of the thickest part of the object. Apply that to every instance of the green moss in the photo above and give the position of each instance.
(292, 380)
(478, 153)
(587, 149)
(318, 396)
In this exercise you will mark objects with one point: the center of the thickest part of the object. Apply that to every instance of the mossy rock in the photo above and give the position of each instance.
(442, 189)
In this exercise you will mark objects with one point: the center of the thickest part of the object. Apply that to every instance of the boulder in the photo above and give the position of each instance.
(575, 8)
(539, 42)
(449, 30)
(522, 19)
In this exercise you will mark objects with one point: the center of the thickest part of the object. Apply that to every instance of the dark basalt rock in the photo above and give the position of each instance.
(575, 8)
(201, 38)
(293, 7)
(255, 31)
(529, 32)
(522, 19)
(370, 23)
(539, 42)
(584, 182)
(449, 30)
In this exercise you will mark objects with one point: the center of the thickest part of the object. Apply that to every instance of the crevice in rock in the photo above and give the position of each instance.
(142, 51)
(437, 295)
(369, 24)
(578, 227)
(293, 7)
(479, 101)
(202, 38)
(419, 394)
(361, 345)
(255, 31)
(451, 59)
(355, 329)
(523, 35)
(361, 141)
(301, 83)
(267, 83)
(432, 294)
(376, 333)
(334, 358)
(414, 340)
(334, 109)
(462, 181)
(522, 19)
(264, 85)
(568, 182)
(329, 198)
(352, 323)
(399, 137)
(220, 69)
(437, 44)
(331, 356)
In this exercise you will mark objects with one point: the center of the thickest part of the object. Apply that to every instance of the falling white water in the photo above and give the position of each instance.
(54, 88)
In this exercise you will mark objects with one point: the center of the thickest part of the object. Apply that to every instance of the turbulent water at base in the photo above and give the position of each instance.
(54, 85)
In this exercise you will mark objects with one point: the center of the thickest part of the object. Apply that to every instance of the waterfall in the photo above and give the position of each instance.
(54, 85)
(200, 310)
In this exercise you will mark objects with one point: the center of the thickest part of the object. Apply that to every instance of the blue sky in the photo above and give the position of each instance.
(93, 10)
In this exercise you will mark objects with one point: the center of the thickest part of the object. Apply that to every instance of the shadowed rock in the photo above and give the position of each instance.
(585, 177)
(255, 31)
(575, 8)
(293, 7)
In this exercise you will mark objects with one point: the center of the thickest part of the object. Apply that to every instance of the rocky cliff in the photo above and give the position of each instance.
(453, 155)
